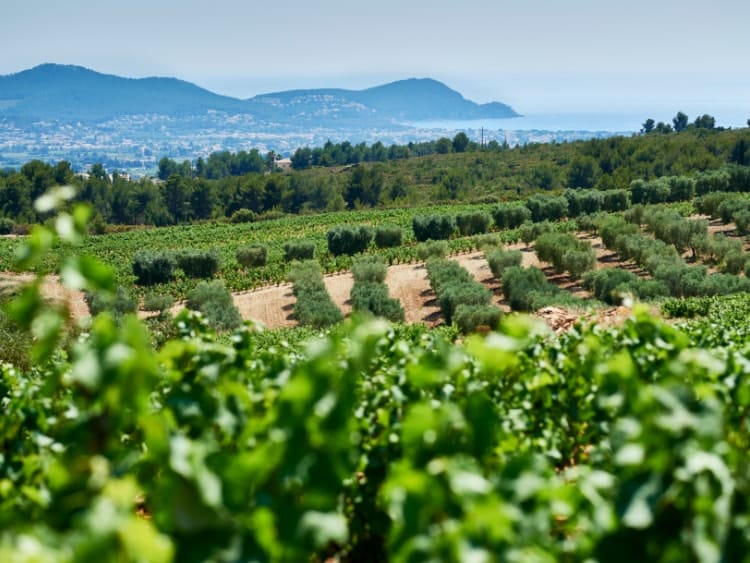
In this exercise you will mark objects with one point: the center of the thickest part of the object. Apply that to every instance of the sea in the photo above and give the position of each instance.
(613, 123)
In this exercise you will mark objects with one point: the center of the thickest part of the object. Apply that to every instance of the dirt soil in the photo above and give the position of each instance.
(53, 290)
(273, 305)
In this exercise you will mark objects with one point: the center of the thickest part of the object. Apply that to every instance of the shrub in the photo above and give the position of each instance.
(473, 222)
(711, 181)
(252, 256)
(529, 232)
(198, 263)
(214, 302)
(615, 200)
(6, 226)
(457, 293)
(681, 188)
(432, 249)
(369, 269)
(547, 208)
(681, 280)
(613, 227)
(566, 253)
(442, 272)
(527, 289)
(519, 285)
(510, 215)
(470, 318)
(583, 201)
(741, 220)
(604, 283)
(635, 214)
(119, 304)
(243, 216)
(552, 296)
(372, 297)
(576, 262)
(488, 241)
(388, 236)
(500, 259)
(343, 239)
(369, 292)
(313, 306)
(299, 250)
(433, 227)
(151, 267)
(729, 206)
(649, 289)
(734, 262)
(271, 215)
(739, 178)
(454, 286)
(709, 204)
(653, 191)
(589, 222)
(156, 302)
(723, 284)
(609, 284)
(305, 276)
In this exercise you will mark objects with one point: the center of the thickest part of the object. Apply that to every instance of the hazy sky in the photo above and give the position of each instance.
(638, 56)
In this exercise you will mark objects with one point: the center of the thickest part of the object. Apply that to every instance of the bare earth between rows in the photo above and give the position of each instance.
(273, 306)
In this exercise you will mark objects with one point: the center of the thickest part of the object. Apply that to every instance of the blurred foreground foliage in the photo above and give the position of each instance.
(372, 442)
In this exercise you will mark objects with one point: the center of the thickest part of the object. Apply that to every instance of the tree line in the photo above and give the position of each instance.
(245, 185)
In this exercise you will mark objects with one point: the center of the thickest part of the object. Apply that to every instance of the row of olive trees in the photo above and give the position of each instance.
(463, 300)
(528, 289)
(671, 227)
(566, 253)
(727, 206)
(370, 293)
(350, 240)
(313, 306)
(684, 233)
(662, 261)
(536, 209)
(665, 189)
(525, 289)
(610, 285)
(152, 267)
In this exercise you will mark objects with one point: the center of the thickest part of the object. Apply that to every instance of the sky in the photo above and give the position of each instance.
(649, 57)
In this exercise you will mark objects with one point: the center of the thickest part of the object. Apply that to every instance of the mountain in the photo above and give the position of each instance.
(60, 112)
(73, 93)
(414, 99)
(422, 99)
(63, 93)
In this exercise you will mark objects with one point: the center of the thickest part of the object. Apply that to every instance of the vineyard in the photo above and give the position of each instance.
(118, 250)
(474, 434)
(374, 441)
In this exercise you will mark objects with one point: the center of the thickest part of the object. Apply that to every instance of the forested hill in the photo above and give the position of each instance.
(72, 93)
(246, 185)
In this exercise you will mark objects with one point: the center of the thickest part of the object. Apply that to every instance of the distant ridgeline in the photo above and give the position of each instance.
(246, 186)
(51, 92)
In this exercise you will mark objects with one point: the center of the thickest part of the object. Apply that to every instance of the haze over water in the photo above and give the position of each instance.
(614, 122)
